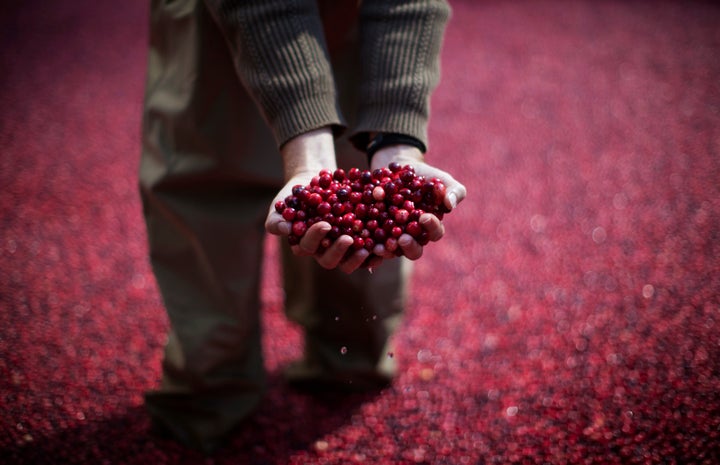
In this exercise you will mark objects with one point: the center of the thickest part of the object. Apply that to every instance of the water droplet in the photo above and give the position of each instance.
(511, 411)
(374, 317)
(343, 350)
(321, 445)
(648, 291)
(370, 269)
(538, 223)
(337, 318)
(599, 235)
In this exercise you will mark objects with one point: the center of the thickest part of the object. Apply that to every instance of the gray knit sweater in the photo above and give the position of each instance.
(281, 56)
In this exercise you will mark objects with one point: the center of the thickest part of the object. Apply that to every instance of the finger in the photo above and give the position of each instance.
(332, 257)
(411, 249)
(354, 262)
(455, 194)
(276, 224)
(382, 252)
(311, 240)
(433, 226)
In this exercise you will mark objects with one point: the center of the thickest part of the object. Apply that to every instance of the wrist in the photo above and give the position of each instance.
(309, 153)
(383, 140)
(402, 154)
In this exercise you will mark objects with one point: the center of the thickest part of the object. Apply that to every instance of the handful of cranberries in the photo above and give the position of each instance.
(373, 207)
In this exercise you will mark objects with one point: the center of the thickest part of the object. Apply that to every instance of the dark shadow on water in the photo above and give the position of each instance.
(288, 421)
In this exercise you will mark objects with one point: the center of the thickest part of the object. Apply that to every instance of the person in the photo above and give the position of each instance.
(243, 101)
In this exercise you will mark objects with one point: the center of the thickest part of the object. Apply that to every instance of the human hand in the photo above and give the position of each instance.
(455, 192)
(303, 157)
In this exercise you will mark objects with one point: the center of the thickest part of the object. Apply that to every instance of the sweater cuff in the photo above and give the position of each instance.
(301, 116)
(379, 118)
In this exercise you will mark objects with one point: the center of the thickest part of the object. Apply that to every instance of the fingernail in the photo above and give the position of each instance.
(453, 199)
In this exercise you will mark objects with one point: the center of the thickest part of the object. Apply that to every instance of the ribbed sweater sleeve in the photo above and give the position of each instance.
(400, 44)
(281, 57)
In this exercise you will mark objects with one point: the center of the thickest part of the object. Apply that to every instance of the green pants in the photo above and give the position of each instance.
(209, 171)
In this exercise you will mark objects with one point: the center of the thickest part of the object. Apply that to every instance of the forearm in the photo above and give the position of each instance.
(281, 58)
(400, 53)
(308, 153)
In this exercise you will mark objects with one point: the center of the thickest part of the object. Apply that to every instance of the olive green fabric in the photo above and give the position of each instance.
(209, 170)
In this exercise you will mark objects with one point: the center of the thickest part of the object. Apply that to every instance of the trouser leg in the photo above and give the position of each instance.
(209, 170)
(206, 258)
(348, 320)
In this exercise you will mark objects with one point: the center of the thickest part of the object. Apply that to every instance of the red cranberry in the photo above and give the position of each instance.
(414, 229)
(325, 180)
(288, 214)
(367, 196)
(355, 197)
(347, 220)
(314, 200)
(388, 225)
(379, 235)
(342, 194)
(423, 238)
(372, 207)
(299, 228)
(324, 208)
(338, 209)
(402, 216)
(361, 210)
(379, 194)
(357, 226)
(366, 177)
